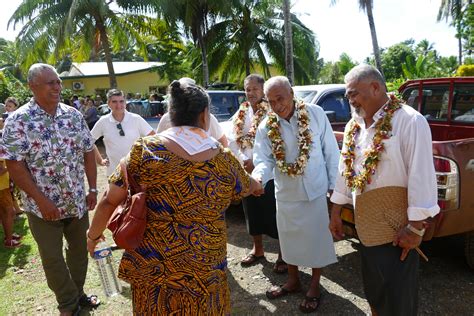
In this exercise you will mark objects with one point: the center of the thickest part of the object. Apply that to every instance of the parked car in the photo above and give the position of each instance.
(224, 103)
(331, 98)
(448, 105)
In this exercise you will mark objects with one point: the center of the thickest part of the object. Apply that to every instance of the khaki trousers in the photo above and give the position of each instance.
(65, 275)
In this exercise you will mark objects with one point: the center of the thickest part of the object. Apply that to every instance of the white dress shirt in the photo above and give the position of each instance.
(242, 154)
(406, 162)
(215, 130)
(320, 172)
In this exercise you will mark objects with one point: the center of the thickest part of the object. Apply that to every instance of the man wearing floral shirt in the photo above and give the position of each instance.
(48, 147)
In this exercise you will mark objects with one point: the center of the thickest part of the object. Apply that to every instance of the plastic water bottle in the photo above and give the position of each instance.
(110, 281)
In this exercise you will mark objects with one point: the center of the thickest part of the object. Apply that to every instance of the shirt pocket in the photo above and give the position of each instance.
(391, 148)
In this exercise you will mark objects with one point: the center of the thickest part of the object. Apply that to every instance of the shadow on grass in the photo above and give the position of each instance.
(17, 257)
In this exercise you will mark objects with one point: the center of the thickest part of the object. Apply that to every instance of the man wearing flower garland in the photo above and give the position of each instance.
(297, 143)
(260, 211)
(386, 144)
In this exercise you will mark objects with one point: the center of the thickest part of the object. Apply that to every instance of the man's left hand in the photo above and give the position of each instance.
(248, 165)
(91, 200)
(406, 240)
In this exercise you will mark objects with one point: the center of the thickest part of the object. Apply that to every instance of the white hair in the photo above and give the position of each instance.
(36, 69)
(364, 72)
(279, 81)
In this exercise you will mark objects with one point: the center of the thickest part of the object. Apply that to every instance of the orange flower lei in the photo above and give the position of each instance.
(383, 127)
(304, 141)
(246, 141)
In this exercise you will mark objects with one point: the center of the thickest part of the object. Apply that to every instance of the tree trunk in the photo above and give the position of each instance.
(108, 56)
(205, 66)
(375, 44)
(289, 67)
(460, 50)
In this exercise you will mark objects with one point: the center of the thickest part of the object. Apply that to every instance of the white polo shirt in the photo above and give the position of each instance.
(116, 146)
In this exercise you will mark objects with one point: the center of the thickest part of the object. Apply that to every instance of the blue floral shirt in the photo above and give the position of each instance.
(53, 149)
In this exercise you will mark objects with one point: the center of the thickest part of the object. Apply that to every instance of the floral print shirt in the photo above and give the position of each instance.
(53, 149)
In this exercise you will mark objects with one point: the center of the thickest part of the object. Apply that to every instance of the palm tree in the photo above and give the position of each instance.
(367, 6)
(242, 43)
(84, 27)
(290, 72)
(196, 17)
(454, 9)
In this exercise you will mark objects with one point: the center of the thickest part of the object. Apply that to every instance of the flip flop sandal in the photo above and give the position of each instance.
(13, 243)
(251, 259)
(280, 267)
(90, 301)
(16, 236)
(279, 291)
(305, 308)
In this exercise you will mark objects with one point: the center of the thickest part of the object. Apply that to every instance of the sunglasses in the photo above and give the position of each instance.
(121, 132)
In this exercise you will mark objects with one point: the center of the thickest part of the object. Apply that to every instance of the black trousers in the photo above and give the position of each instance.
(390, 285)
(260, 212)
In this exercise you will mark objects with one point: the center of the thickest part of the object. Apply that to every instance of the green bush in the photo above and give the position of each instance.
(465, 70)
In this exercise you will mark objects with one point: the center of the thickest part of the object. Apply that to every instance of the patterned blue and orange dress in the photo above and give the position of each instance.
(180, 266)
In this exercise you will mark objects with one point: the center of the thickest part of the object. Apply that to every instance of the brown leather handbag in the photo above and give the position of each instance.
(128, 221)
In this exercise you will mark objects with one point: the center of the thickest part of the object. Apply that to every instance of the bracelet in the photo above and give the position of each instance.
(89, 237)
(419, 232)
(94, 190)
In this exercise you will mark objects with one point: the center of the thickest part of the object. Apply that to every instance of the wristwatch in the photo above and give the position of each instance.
(93, 190)
(419, 232)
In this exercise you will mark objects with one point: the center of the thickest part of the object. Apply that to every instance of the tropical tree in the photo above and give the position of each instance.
(83, 28)
(254, 32)
(289, 66)
(367, 6)
(453, 9)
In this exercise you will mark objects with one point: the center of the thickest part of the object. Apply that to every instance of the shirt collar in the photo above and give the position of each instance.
(377, 115)
(61, 109)
(125, 118)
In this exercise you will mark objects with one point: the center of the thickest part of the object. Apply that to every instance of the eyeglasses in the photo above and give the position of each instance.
(121, 132)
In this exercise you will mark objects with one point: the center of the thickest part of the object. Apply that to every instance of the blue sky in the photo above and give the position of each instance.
(344, 28)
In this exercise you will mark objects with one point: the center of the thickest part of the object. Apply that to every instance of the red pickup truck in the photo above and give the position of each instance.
(448, 105)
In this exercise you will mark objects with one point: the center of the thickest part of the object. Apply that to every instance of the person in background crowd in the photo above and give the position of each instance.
(120, 130)
(90, 113)
(260, 211)
(11, 105)
(296, 145)
(47, 161)
(180, 266)
(389, 273)
(7, 211)
(215, 130)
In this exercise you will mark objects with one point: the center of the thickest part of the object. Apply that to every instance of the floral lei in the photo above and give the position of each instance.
(246, 141)
(383, 127)
(304, 141)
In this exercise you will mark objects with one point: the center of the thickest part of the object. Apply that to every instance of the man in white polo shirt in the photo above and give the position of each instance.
(120, 130)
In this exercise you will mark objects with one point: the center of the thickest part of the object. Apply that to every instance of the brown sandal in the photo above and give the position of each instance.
(280, 266)
(13, 243)
(279, 291)
(306, 306)
(251, 259)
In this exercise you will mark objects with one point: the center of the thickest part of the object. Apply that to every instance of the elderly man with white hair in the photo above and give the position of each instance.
(297, 142)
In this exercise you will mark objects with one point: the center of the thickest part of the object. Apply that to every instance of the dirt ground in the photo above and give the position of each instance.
(446, 282)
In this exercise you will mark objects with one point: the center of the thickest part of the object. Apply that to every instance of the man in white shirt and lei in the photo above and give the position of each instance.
(260, 211)
(296, 144)
(386, 143)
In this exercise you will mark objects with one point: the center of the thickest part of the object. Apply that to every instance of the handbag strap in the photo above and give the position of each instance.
(129, 180)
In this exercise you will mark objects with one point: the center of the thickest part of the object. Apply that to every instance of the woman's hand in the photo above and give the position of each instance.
(92, 243)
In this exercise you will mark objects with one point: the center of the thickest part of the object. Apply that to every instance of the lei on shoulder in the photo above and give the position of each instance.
(383, 127)
(304, 141)
(247, 140)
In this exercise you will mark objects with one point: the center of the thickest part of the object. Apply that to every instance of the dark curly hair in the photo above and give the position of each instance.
(187, 100)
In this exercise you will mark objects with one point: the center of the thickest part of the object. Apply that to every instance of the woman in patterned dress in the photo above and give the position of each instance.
(190, 180)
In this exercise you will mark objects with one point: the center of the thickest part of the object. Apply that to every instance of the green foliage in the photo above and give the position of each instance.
(465, 70)
(335, 72)
(4, 92)
(392, 59)
(392, 86)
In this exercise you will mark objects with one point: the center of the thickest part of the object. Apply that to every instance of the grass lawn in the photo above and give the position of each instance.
(23, 288)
